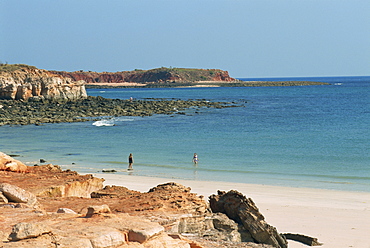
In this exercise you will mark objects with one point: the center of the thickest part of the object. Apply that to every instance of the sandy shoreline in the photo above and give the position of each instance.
(117, 84)
(336, 218)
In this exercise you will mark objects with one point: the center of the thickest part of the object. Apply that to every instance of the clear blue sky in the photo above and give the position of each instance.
(249, 38)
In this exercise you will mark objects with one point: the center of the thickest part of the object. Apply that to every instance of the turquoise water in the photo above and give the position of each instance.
(306, 136)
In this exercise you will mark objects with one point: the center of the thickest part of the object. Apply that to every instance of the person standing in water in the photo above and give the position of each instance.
(195, 158)
(130, 161)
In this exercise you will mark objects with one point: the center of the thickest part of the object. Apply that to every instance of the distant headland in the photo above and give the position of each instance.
(170, 77)
(153, 78)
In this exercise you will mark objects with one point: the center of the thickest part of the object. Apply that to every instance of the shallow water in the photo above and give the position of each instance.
(307, 136)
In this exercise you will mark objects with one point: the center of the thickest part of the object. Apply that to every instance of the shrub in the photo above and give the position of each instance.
(13, 67)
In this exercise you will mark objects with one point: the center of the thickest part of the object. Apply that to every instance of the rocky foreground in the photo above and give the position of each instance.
(43, 206)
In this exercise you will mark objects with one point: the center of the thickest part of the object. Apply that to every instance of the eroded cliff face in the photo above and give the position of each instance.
(28, 82)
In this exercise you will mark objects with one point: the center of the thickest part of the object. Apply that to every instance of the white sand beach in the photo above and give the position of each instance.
(336, 218)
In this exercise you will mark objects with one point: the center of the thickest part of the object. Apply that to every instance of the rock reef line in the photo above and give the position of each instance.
(85, 109)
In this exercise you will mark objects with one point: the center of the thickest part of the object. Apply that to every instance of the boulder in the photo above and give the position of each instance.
(8, 163)
(94, 210)
(17, 195)
(28, 230)
(143, 234)
(244, 211)
(65, 211)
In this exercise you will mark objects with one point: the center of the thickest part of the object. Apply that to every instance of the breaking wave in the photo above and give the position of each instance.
(106, 123)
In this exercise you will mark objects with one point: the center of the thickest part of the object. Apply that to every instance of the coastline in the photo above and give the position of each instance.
(336, 218)
(202, 84)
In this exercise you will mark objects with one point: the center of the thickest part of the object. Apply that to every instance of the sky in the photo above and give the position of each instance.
(248, 38)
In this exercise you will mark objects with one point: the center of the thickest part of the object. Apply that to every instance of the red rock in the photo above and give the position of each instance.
(8, 163)
(158, 75)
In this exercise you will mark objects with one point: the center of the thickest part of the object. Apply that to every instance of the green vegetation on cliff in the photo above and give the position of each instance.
(4, 67)
(185, 74)
(161, 75)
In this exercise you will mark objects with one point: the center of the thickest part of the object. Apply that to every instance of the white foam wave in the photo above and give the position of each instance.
(106, 123)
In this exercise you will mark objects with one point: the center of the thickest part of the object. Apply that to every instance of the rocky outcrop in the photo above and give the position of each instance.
(49, 215)
(8, 163)
(100, 231)
(51, 181)
(28, 82)
(243, 210)
(28, 226)
(169, 197)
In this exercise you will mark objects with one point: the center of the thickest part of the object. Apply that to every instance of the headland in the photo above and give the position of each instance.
(154, 78)
(43, 96)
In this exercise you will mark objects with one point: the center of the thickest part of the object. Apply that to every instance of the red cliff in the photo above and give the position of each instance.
(153, 76)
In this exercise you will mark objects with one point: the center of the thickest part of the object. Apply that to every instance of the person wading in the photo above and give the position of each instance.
(130, 161)
(195, 158)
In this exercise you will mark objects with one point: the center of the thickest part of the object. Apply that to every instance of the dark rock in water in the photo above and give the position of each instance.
(243, 210)
(14, 155)
(108, 171)
(42, 160)
(15, 112)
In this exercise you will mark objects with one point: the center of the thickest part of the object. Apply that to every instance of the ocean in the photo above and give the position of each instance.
(300, 136)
